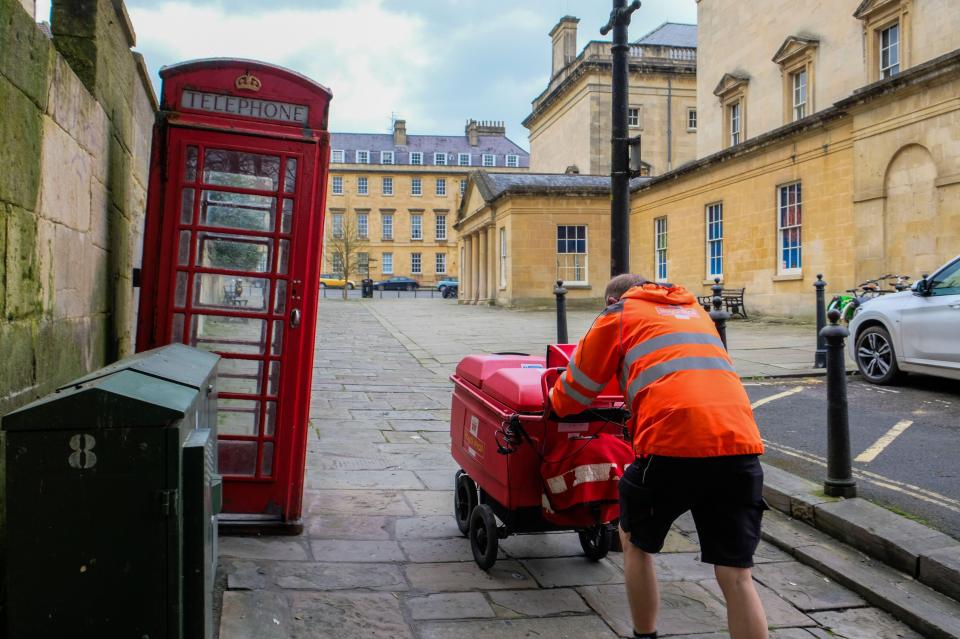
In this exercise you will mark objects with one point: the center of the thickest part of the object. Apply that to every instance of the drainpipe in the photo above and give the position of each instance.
(669, 124)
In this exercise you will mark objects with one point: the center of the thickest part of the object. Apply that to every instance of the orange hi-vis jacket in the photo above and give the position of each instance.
(685, 398)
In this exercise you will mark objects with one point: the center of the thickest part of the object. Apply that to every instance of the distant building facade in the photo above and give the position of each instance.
(401, 192)
(569, 122)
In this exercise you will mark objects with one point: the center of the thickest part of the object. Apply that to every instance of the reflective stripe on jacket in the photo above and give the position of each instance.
(685, 398)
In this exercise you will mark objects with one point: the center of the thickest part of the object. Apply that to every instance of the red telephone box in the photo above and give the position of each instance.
(231, 259)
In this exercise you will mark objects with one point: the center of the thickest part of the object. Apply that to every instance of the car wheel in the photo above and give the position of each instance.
(349, 286)
(443, 291)
(876, 359)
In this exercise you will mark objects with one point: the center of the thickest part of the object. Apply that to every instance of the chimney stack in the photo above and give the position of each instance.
(564, 43)
(400, 132)
(475, 129)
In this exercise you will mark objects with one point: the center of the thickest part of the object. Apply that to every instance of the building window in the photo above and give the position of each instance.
(387, 262)
(416, 157)
(715, 240)
(387, 226)
(363, 157)
(890, 51)
(388, 186)
(363, 230)
(463, 187)
(660, 248)
(489, 159)
(572, 254)
(441, 186)
(386, 157)
(789, 222)
(463, 159)
(363, 263)
(337, 263)
(441, 263)
(441, 227)
(798, 82)
(633, 117)
(337, 225)
(337, 156)
(503, 257)
(416, 264)
(362, 186)
(440, 159)
(733, 113)
(416, 186)
(337, 185)
(416, 226)
(691, 119)
(513, 160)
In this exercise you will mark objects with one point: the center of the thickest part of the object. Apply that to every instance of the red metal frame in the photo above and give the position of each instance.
(277, 494)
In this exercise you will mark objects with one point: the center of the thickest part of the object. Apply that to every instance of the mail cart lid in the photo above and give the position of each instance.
(174, 362)
(476, 369)
(517, 388)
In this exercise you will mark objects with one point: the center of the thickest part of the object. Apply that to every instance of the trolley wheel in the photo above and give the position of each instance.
(464, 500)
(484, 536)
(595, 542)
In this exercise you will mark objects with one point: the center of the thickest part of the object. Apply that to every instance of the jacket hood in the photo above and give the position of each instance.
(660, 294)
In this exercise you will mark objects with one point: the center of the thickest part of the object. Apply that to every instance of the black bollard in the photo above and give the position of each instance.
(820, 357)
(718, 315)
(839, 482)
(561, 294)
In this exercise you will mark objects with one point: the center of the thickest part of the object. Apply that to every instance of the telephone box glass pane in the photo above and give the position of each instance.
(270, 424)
(237, 210)
(225, 167)
(190, 165)
(280, 306)
(186, 207)
(177, 328)
(237, 458)
(282, 263)
(241, 335)
(287, 224)
(237, 416)
(180, 293)
(233, 293)
(290, 176)
(277, 338)
(239, 376)
(266, 461)
(273, 387)
(183, 250)
(233, 252)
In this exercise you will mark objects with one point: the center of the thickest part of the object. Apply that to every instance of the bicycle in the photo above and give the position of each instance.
(847, 304)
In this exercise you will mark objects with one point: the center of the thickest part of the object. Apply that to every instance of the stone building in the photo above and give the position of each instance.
(569, 122)
(401, 193)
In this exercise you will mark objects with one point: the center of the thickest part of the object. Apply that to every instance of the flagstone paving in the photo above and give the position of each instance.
(381, 557)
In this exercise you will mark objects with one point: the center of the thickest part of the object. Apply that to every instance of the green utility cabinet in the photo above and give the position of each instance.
(112, 496)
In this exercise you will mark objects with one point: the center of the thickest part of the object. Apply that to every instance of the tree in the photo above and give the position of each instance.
(346, 247)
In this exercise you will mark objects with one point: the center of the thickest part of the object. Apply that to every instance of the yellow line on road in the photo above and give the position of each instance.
(767, 400)
(871, 453)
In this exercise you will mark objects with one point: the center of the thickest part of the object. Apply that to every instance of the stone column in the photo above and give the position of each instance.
(494, 283)
(466, 292)
(475, 267)
(482, 288)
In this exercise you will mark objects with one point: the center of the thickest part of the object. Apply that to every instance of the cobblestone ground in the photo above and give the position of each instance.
(381, 555)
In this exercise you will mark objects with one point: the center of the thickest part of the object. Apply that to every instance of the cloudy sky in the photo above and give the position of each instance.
(435, 63)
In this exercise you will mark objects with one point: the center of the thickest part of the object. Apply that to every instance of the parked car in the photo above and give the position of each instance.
(911, 331)
(330, 280)
(449, 283)
(398, 283)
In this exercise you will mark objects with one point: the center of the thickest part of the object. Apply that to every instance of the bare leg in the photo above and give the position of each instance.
(745, 615)
(641, 579)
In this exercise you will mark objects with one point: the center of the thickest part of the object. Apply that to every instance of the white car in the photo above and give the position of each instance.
(915, 331)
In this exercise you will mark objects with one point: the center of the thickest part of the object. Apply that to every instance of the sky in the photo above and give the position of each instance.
(433, 63)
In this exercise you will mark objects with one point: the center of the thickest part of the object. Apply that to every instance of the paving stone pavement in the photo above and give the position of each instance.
(381, 557)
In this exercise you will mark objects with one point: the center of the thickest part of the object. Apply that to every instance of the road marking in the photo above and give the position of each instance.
(767, 400)
(871, 453)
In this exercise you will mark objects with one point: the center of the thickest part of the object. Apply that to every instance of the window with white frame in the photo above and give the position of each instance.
(441, 263)
(416, 186)
(337, 185)
(362, 188)
(660, 248)
(513, 160)
(789, 224)
(363, 157)
(463, 187)
(386, 261)
(441, 226)
(572, 254)
(503, 257)
(363, 225)
(336, 262)
(890, 50)
(440, 159)
(715, 240)
(691, 119)
(441, 186)
(798, 82)
(386, 157)
(416, 157)
(416, 263)
(633, 116)
(337, 225)
(489, 159)
(336, 155)
(463, 159)
(386, 226)
(388, 186)
(363, 264)
(416, 226)
(733, 115)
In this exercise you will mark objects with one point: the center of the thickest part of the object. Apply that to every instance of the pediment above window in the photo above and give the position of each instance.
(795, 48)
(731, 83)
(869, 10)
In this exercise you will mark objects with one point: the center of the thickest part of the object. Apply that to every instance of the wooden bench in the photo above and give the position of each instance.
(732, 301)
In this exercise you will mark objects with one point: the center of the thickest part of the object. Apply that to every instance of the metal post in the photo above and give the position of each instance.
(839, 482)
(718, 314)
(561, 294)
(820, 357)
(620, 158)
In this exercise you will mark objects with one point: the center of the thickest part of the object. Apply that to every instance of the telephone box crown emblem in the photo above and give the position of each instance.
(248, 82)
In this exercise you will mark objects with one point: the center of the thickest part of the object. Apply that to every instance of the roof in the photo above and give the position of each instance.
(494, 185)
(671, 34)
(496, 145)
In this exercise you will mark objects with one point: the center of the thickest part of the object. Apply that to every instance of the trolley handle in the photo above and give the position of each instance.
(602, 414)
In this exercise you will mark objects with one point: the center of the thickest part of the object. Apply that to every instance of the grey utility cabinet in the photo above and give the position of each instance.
(111, 501)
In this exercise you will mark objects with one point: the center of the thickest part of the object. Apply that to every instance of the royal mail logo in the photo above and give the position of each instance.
(678, 312)
(248, 82)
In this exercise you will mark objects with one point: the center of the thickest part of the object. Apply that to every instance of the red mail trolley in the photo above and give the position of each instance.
(232, 252)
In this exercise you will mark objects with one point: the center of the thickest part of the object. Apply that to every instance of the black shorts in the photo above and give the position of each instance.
(725, 495)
